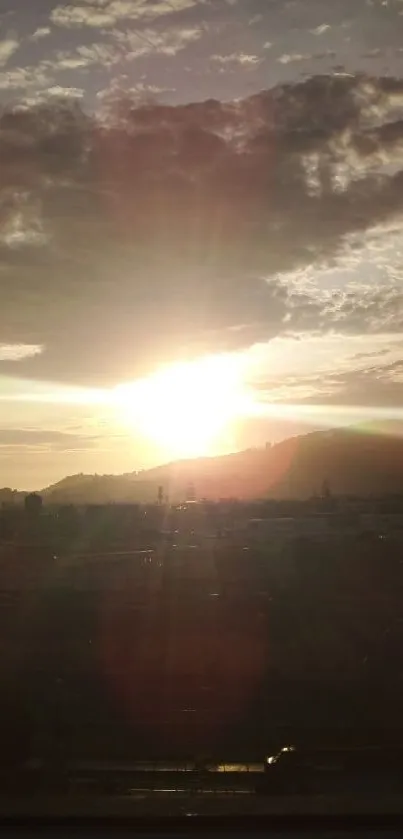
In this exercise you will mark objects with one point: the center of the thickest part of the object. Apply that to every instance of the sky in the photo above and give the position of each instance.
(195, 179)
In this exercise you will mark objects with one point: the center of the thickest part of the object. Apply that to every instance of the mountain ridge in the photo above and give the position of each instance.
(361, 460)
(365, 460)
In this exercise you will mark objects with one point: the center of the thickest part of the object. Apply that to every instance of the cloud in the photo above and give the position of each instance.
(321, 29)
(78, 16)
(27, 77)
(40, 32)
(108, 14)
(77, 60)
(375, 354)
(161, 232)
(326, 370)
(169, 41)
(19, 233)
(255, 19)
(16, 352)
(127, 45)
(101, 53)
(66, 92)
(241, 58)
(294, 57)
(113, 96)
(7, 48)
(355, 309)
(34, 439)
(377, 386)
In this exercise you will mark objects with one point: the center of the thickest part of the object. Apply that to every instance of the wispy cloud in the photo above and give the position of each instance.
(125, 45)
(26, 77)
(41, 32)
(255, 19)
(321, 29)
(37, 440)
(291, 58)
(78, 16)
(101, 53)
(240, 58)
(16, 352)
(66, 92)
(108, 14)
(113, 94)
(168, 41)
(7, 48)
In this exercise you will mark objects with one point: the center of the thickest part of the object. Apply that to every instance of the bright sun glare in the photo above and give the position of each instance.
(186, 408)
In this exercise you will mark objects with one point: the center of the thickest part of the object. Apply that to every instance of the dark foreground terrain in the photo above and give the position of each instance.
(203, 643)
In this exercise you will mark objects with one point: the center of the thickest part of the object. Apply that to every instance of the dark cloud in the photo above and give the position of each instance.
(153, 231)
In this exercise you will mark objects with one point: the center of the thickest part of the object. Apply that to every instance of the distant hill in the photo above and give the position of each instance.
(101, 489)
(363, 461)
(355, 461)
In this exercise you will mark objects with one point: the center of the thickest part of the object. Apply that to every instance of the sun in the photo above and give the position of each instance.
(185, 408)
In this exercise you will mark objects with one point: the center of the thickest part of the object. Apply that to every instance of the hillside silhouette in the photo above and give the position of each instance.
(365, 461)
